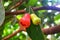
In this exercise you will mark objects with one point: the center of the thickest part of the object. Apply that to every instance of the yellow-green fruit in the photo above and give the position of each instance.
(36, 20)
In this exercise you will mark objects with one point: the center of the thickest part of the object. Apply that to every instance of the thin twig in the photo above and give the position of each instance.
(17, 4)
(13, 34)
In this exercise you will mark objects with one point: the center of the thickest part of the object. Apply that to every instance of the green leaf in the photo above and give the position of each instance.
(2, 13)
(34, 31)
(31, 2)
(57, 17)
(16, 26)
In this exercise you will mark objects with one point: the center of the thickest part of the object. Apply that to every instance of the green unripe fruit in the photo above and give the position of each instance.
(19, 16)
(35, 19)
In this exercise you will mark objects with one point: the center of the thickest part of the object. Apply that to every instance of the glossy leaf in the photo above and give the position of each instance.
(34, 31)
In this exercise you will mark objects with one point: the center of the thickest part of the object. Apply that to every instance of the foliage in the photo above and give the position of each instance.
(34, 32)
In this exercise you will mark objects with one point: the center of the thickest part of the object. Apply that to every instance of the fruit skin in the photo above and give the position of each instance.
(36, 20)
(25, 20)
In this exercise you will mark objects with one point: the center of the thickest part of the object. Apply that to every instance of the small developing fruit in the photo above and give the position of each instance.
(19, 16)
(36, 20)
(25, 20)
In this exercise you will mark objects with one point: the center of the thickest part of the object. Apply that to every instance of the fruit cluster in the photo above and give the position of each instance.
(25, 20)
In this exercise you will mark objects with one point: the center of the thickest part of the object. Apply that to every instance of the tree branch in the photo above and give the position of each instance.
(51, 30)
(46, 8)
(15, 12)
